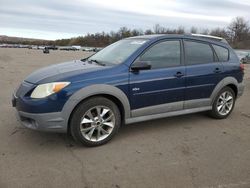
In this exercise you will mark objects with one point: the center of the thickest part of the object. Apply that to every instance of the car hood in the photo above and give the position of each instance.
(60, 71)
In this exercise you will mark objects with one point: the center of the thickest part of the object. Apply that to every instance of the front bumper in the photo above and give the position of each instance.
(52, 122)
(42, 115)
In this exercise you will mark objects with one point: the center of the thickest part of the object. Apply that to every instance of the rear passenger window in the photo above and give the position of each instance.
(222, 53)
(163, 54)
(198, 53)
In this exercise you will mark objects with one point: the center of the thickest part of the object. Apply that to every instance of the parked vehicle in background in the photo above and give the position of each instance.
(53, 47)
(88, 49)
(2, 45)
(46, 50)
(97, 49)
(68, 48)
(34, 47)
(246, 59)
(40, 47)
(77, 47)
(135, 79)
(13, 46)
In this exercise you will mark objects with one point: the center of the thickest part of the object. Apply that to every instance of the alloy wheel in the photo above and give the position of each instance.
(225, 103)
(97, 123)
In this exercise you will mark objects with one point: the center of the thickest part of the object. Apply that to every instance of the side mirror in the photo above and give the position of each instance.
(139, 65)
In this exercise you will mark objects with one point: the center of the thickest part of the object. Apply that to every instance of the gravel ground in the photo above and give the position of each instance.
(185, 151)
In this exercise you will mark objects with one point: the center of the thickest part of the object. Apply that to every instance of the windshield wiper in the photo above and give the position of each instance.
(96, 61)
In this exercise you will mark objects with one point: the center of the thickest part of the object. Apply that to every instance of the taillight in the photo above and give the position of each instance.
(242, 67)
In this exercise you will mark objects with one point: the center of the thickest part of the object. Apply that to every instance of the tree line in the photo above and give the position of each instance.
(237, 33)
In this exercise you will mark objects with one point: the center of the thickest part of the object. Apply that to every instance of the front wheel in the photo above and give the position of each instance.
(223, 104)
(95, 121)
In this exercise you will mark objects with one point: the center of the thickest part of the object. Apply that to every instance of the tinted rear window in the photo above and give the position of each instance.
(198, 53)
(222, 53)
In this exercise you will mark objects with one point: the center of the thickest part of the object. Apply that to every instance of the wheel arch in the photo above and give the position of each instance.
(111, 92)
(234, 88)
(226, 82)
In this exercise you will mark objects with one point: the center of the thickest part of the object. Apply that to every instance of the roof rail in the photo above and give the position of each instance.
(206, 36)
(210, 37)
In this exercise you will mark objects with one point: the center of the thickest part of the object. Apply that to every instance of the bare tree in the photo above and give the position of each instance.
(237, 34)
(238, 30)
(220, 32)
(148, 32)
(193, 30)
(159, 29)
(180, 30)
(124, 32)
(205, 31)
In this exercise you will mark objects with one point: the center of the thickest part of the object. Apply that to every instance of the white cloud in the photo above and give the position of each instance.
(155, 8)
(64, 18)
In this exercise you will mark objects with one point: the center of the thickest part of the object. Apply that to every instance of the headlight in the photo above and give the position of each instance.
(44, 90)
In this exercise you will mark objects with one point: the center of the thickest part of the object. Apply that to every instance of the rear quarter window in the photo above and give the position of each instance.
(221, 52)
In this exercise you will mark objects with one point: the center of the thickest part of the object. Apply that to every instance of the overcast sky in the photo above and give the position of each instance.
(55, 19)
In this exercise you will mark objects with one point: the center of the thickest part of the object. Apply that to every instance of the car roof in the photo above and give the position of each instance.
(200, 37)
(156, 36)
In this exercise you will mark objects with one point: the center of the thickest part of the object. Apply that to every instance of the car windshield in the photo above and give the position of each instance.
(117, 52)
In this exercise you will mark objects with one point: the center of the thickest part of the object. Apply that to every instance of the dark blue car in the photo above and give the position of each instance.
(135, 79)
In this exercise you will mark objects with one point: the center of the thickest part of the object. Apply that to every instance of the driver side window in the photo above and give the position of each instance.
(162, 55)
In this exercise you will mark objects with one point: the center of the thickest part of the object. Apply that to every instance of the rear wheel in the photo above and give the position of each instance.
(223, 104)
(95, 121)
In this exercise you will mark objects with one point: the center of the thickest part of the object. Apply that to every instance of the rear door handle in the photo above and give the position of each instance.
(217, 70)
(179, 74)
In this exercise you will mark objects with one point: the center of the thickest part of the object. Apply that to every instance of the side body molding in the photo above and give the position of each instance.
(190, 106)
(95, 90)
(120, 95)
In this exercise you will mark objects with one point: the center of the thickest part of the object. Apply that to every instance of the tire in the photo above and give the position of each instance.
(95, 121)
(221, 102)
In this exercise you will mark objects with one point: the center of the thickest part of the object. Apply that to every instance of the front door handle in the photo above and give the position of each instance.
(179, 74)
(217, 70)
